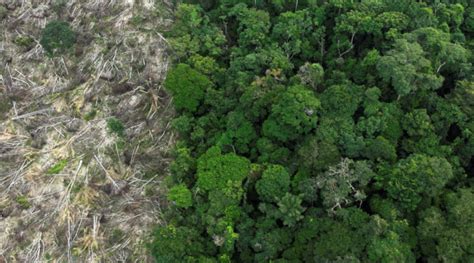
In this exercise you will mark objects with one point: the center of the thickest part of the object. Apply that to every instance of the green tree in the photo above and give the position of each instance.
(448, 235)
(386, 208)
(240, 132)
(219, 178)
(407, 70)
(463, 95)
(468, 24)
(321, 131)
(416, 177)
(294, 114)
(181, 196)
(183, 164)
(318, 155)
(270, 152)
(253, 26)
(380, 148)
(344, 236)
(274, 184)
(175, 244)
(423, 138)
(192, 33)
(388, 246)
(333, 97)
(290, 208)
(116, 126)
(442, 52)
(57, 38)
(187, 86)
(300, 33)
(215, 170)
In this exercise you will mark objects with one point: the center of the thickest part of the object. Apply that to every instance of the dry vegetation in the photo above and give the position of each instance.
(70, 189)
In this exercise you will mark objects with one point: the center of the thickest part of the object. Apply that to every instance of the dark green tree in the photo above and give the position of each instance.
(274, 184)
(290, 209)
(174, 244)
(321, 131)
(416, 177)
(187, 86)
(448, 235)
(57, 38)
(407, 70)
(293, 114)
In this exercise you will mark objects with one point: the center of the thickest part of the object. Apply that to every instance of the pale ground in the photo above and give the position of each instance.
(53, 112)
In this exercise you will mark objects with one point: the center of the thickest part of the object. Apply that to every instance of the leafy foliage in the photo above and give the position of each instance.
(416, 176)
(187, 86)
(293, 115)
(181, 195)
(23, 202)
(274, 184)
(174, 244)
(57, 38)
(290, 209)
(407, 70)
(216, 171)
(321, 131)
(116, 126)
(448, 234)
(25, 42)
(58, 167)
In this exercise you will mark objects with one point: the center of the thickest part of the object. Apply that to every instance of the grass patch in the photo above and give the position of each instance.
(25, 42)
(23, 202)
(116, 126)
(57, 168)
